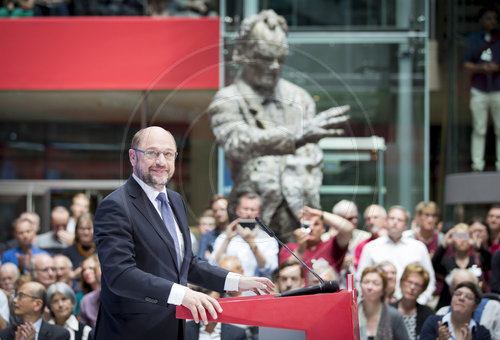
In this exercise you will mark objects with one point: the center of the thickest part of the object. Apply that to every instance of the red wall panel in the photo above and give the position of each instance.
(109, 53)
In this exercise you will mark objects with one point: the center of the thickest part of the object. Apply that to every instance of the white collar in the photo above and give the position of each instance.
(151, 192)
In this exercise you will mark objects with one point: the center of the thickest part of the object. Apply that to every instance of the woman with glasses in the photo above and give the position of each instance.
(413, 282)
(378, 320)
(458, 323)
(61, 300)
(463, 246)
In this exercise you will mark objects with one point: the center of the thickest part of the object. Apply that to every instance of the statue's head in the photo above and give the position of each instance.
(262, 49)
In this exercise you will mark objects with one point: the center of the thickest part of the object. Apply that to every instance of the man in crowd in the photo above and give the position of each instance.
(79, 205)
(398, 250)
(269, 129)
(219, 208)
(64, 268)
(257, 251)
(43, 269)
(290, 275)
(24, 232)
(51, 241)
(9, 273)
(29, 304)
(144, 247)
(375, 222)
(309, 245)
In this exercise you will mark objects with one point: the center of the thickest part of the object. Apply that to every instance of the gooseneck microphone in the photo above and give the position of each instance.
(273, 235)
(327, 287)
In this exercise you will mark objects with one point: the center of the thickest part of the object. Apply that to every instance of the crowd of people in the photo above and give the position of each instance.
(413, 279)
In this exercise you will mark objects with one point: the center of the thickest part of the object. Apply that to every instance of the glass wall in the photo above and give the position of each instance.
(371, 56)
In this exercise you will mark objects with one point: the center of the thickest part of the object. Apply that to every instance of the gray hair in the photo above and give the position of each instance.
(12, 266)
(61, 288)
(343, 206)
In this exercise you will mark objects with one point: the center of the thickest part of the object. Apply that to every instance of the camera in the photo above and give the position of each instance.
(305, 227)
(247, 223)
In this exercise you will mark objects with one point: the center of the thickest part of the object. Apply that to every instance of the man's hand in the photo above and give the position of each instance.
(323, 125)
(301, 238)
(231, 229)
(247, 234)
(23, 261)
(255, 284)
(443, 332)
(65, 237)
(25, 332)
(198, 303)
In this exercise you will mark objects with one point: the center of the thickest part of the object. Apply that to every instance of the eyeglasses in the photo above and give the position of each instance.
(351, 218)
(412, 284)
(469, 297)
(150, 154)
(21, 295)
(44, 270)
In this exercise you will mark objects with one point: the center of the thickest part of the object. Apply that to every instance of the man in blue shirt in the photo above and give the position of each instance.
(481, 62)
(24, 232)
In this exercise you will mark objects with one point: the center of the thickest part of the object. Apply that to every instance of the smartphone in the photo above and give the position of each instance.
(305, 227)
(248, 223)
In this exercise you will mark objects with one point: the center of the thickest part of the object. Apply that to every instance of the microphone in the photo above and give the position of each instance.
(327, 287)
(273, 235)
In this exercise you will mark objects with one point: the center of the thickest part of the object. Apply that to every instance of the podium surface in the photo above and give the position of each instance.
(320, 316)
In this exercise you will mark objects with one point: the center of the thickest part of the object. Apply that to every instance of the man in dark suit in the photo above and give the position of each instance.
(29, 304)
(144, 247)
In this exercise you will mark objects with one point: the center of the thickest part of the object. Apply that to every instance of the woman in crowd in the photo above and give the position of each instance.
(463, 245)
(478, 229)
(83, 245)
(457, 324)
(413, 282)
(61, 301)
(391, 273)
(378, 320)
(91, 285)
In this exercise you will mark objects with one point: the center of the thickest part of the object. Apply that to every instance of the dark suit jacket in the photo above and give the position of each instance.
(138, 263)
(228, 332)
(47, 332)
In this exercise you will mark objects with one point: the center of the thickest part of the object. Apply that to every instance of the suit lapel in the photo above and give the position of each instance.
(144, 206)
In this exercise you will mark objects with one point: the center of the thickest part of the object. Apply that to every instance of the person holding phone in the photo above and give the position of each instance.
(257, 251)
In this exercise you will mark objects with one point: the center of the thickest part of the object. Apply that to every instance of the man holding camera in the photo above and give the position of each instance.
(257, 251)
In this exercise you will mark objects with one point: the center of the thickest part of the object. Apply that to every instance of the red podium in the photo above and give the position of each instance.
(321, 316)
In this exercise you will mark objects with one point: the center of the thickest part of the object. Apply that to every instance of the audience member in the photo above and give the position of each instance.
(4, 310)
(479, 229)
(91, 285)
(426, 229)
(391, 273)
(43, 269)
(51, 241)
(61, 301)
(377, 319)
(29, 304)
(289, 275)
(206, 223)
(83, 245)
(462, 258)
(309, 245)
(24, 232)
(487, 311)
(64, 268)
(401, 251)
(493, 220)
(349, 211)
(324, 271)
(458, 323)
(375, 222)
(413, 282)
(495, 273)
(257, 251)
(9, 273)
(219, 208)
(79, 206)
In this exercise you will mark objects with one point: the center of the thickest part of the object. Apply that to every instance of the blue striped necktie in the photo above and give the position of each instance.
(168, 218)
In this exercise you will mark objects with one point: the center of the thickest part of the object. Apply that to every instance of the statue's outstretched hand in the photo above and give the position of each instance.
(323, 125)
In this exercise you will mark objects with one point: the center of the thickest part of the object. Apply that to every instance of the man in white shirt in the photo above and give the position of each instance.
(399, 251)
(257, 251)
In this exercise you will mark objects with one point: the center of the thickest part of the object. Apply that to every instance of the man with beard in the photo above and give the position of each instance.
(144, 246)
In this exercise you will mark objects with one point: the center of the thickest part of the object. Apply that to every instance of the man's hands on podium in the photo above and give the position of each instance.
(199, 303)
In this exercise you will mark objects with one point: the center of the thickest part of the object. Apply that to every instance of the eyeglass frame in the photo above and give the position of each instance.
(21, 295)
(467, 296)
(150, 153)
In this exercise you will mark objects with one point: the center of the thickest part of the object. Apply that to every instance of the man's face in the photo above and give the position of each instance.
(289, 278)
(207, 223)
(352, 215)
(249, 208)
(317, 229)
(396, 223)
(58, 221)
(7, 278)
(262, 61)
(62, 269)
(375, 219)
(25, 233)
(45, 270)
(25, 301)
(79, 207)
(428, 219)
(489, 21)
(220, 212)
(493, 219)
(155, 171)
